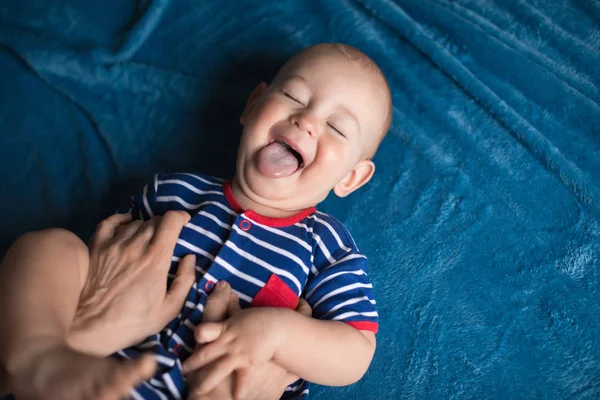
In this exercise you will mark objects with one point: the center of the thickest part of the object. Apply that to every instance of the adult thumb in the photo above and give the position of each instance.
(175, 297)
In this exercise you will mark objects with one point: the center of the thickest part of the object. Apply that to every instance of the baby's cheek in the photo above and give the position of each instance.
(334, 156)
(271, 111)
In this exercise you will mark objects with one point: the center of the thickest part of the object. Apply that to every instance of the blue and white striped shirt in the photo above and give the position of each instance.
(268, 262)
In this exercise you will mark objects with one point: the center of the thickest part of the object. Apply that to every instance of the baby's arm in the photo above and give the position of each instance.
(325, 352)
(335, 347)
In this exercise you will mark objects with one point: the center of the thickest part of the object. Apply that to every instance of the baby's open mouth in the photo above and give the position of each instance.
(279, 159)
(293, 151)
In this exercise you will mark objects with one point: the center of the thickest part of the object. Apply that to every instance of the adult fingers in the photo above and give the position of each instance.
(145, 233)
(180, 287)
(145, 366)
(304, 308)
(167, 232)
(215, 309)
(106, 229)
(126, 375)
(141, 369)
(124, 232)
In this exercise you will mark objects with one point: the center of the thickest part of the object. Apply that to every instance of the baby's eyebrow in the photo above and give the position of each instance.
(295, 76)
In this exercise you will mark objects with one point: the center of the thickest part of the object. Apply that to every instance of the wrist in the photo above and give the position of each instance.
(80, 337)
(92, 335)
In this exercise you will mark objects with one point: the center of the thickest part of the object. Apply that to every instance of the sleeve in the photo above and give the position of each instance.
(143, 205)
(339, 289)
(170, 192)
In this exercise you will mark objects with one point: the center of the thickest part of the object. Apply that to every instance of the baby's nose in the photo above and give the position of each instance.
(305, 122)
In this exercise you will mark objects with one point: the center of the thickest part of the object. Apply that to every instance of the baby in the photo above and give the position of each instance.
(313, 130)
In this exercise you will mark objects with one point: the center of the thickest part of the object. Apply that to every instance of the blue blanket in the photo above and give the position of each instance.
(482, 222)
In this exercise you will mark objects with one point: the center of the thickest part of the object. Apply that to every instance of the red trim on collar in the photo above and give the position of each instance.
(261, 219)
(279, 222)
(231, 198)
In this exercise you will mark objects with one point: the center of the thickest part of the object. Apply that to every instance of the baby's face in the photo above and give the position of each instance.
(309, 132)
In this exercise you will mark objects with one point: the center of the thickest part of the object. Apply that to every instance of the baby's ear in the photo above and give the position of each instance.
(256, 93)
(356, 178)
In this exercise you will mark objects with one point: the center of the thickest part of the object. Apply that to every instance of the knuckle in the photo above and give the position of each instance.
(104, 225)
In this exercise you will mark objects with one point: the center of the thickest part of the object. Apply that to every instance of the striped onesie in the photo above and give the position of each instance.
(268, 262)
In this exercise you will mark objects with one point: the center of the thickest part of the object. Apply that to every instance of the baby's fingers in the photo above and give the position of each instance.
(243, 384)
(220, 370)
(208, 332)
(204, 356)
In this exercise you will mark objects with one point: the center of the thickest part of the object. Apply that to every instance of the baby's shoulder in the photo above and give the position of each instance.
(184, 191)
(332, 232)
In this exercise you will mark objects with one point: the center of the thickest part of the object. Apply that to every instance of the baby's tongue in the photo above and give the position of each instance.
(276, 161)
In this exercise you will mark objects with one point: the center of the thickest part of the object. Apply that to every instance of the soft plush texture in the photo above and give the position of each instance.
(481, 223)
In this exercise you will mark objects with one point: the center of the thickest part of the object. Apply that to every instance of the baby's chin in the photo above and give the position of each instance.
(283, 193)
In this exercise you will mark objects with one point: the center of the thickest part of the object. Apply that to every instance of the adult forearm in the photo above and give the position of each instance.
(325, 352)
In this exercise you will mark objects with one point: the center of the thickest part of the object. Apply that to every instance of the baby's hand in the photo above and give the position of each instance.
(247, 339)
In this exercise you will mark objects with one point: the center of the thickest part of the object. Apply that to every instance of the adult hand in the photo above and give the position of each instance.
(125, 297)
(266, 382)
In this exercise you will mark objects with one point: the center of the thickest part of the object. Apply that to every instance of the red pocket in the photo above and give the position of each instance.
(275, 294)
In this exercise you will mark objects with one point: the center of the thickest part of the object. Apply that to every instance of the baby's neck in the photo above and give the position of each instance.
(248, 204)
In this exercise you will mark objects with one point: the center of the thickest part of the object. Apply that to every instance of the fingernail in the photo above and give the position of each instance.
(221, 285)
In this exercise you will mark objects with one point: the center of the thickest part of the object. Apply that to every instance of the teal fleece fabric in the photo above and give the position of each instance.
(482, 220)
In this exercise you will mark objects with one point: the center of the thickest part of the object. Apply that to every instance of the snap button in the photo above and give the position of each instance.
(245, 225)
(177, 348)
(210, 285)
